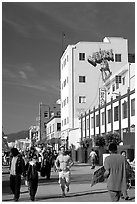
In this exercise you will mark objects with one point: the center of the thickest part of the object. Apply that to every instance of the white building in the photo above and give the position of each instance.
(34, 133)
(54, 131)
(118, 113)
(22, 144)
(79, 80)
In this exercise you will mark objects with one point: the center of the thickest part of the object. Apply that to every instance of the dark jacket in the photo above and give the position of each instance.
(29, 170)
(20, 166)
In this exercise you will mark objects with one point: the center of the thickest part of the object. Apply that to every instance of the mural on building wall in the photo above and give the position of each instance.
(102, 57)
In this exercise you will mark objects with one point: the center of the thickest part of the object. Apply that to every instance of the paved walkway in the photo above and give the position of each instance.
(80, 189)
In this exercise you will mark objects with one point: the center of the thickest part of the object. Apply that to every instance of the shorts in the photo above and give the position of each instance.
(64, 177)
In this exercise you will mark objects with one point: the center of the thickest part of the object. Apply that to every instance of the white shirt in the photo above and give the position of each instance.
(13, 166)
(92, 154)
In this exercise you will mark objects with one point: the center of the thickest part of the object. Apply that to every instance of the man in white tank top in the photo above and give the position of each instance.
(65, 162)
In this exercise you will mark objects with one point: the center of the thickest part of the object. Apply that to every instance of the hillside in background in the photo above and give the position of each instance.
(19, 135)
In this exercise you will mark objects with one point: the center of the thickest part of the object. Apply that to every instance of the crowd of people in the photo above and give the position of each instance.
(34, 161)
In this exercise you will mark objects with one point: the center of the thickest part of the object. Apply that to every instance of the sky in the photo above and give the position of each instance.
(32, 47)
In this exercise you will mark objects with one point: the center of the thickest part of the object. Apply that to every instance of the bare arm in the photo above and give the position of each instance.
(56, 163)
(71, 163)
(106, 174)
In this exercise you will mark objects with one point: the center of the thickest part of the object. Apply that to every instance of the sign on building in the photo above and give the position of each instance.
(102, 96)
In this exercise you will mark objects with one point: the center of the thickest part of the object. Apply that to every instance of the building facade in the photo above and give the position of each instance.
(44, 116)
(78, 80)
(54, 131)
(117, 113)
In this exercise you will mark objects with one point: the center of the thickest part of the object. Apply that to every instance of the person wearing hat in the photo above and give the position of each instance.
(17, 168)
(32, 168)
(63, 164)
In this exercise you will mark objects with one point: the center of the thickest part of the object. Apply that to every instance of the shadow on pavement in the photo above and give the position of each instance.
(45, 181)
(100, 191)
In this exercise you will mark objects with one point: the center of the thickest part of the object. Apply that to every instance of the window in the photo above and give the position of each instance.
(87, 124)
(67, 79)
(113, 87)
(46, 114)
(53, 128)
(65, 83)
(133, 107)
(117, 85)
(103, 118)
(81, 56)
(67, 58)
(82, 79)
(92, 122)
(64, 102)
(83, 123)
(123, 80)
(62, 122)
(82, 99)
(108, 90)
(124, 110)
(45, 125)
(117, 57)
(67, 119)
(97, 120)
(109, 116)
(58, 126)
(67, 99)
(116, 114)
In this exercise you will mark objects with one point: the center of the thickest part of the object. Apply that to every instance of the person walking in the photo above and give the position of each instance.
(32, 168)
(115, 171)
(63, 164)
(92, 157)
(47, 162)
(124, 195)
(17, 168)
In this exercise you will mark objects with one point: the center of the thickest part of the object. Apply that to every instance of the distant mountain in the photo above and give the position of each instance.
(19, 135)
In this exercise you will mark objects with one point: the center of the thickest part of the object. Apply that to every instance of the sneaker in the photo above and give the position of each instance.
(127, 198)
(32, 198)
(16, 199)
(67, 188)
(63, 194)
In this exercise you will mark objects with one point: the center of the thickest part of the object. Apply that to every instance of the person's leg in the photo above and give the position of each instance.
(12, 183)
(17, 186)
(67, 179)
(115, 195)
(62, 183)
(124, 195)
(92, 165)
(33, 188)
(48, 171)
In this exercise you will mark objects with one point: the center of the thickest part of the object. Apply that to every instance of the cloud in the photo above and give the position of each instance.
(6, 73)
(23, 75)
(47, 20)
